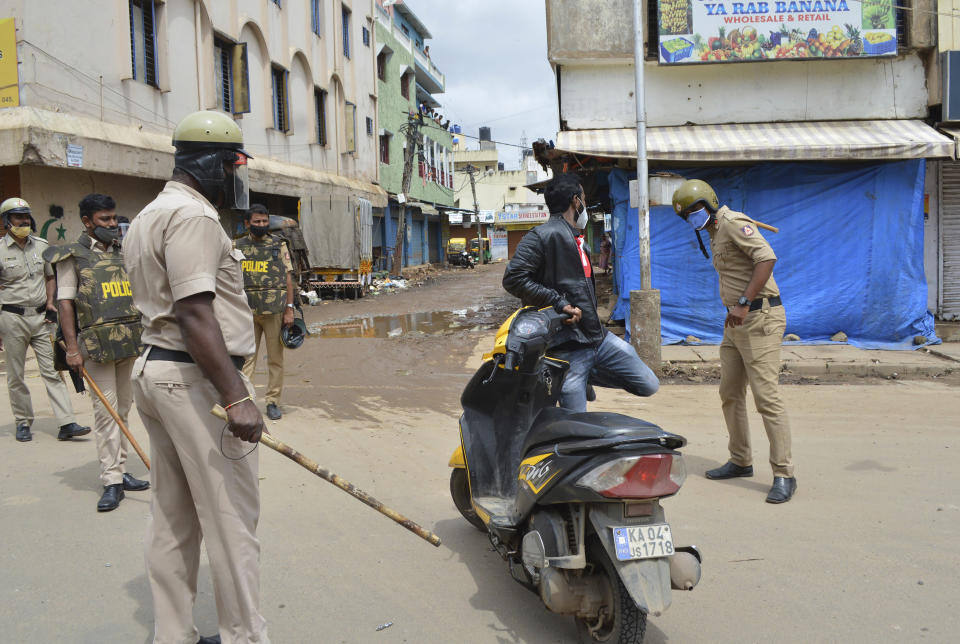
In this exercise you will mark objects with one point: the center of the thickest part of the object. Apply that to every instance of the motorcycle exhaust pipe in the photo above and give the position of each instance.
(685, 568)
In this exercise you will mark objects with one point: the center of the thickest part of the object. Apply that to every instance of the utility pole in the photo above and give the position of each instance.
(476, 211)
(409, 154)
(645, 303)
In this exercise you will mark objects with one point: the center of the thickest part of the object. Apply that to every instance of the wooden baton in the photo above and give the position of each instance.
(116, 417)
(113, 413)
(760, 224)
(346, 486)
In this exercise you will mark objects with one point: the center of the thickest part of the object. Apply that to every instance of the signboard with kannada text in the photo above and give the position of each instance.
(721, 31)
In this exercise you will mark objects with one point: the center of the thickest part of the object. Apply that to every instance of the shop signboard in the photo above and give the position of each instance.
(526, 217)
(722, 31)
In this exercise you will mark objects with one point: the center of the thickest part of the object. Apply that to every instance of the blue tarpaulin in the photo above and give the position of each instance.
(850, 251)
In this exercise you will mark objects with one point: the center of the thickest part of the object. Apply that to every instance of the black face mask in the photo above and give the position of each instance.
(259, 231)
(106, 235)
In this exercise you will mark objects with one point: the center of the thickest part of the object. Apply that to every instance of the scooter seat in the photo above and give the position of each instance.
(559, 425)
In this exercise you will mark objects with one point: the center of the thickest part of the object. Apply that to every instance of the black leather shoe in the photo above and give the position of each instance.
(23, 433)
(71, 430)
(213, 639)
(131, 484)
(112, 495)
(782, 490)
(729, 471)
(273, 412)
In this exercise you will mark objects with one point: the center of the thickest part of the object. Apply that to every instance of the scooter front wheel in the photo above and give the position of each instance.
(460, 491)
(620, 620)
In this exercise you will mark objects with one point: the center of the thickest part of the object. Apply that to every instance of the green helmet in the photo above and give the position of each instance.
(293, 335)
(692, 192)
(210, 149)
(16, 206)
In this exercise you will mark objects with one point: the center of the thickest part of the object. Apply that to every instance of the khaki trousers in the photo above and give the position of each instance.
(113, 379)
(751, 354)
(268, 326)
(199, 493)
(19, 332)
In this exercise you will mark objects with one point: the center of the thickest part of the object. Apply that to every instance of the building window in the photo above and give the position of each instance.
(231, 76)
(346, 32)
(369, 126)
(385, 149)
(315, 16)
(143, 41)
(382, 66)
(405, 86)
(366, 36)
(350, 126)
(320, 102)
(281, 107)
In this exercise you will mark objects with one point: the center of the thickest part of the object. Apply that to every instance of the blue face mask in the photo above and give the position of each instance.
(698, 219)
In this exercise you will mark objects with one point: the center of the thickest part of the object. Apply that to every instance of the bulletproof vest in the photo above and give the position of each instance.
(264, 276)
(108, 324)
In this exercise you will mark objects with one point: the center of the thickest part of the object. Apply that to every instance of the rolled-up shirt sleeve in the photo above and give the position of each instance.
(192, 251)
(67, 279)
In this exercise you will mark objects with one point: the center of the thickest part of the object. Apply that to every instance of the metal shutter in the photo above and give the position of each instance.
(950, 240)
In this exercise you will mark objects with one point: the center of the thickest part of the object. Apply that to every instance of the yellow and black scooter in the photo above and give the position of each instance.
(570, 500)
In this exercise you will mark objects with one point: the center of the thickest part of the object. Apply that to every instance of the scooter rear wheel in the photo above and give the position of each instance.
(623, 622)
(460, 491)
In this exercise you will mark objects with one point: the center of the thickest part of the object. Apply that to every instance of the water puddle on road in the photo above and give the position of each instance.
(428, 323)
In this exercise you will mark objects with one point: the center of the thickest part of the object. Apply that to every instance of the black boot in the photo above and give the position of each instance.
(213, 639)
(112, 495)
(782, 490)
(131, 484)
(273, 412)
(729, 471)
(71, 430)
(23, 432)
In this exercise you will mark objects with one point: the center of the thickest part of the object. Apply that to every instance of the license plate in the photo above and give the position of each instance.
(643, 541)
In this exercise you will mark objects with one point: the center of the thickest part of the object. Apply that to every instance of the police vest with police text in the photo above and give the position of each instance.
(264, 275)
(108, 324)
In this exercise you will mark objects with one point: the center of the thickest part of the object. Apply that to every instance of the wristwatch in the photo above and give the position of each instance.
(743, 301)
(291, 306)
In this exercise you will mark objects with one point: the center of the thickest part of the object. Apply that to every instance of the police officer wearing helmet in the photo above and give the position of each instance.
(27, 312)
(268, 279)
(753, 332)
(187, 283)
(101, 331)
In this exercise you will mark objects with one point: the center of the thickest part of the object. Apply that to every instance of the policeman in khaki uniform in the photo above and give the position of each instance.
(753, 333)
(268, 280)
(27, 312)
(101, 331)
(197, 333)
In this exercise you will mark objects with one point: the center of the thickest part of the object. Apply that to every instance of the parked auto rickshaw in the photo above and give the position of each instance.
(474, 249)
(457, 254)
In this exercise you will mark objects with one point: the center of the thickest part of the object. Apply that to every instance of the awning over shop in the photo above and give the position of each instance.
(799, 141)
(954, 134)
(425, 208)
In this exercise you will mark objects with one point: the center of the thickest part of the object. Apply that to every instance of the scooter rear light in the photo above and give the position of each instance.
(637, 477)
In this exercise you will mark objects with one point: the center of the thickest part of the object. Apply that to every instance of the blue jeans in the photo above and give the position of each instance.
(614, 364)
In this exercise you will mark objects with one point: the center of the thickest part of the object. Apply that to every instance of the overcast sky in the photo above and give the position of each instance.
(494, 56)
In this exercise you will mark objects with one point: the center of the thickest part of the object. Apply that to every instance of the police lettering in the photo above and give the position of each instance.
(116, 289)
(251, 266)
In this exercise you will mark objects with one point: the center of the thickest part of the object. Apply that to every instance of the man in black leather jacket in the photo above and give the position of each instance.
(551, 267)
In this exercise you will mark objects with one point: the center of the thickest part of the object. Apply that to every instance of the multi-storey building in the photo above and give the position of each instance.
(101, 87)
(819, 117)
(408, 82)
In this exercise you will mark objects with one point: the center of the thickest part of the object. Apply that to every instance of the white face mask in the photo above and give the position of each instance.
(582, 218)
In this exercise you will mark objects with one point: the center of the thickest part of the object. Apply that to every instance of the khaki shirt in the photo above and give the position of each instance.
(176, 248)
(737, 246)
(68, 277)
(23, 272)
